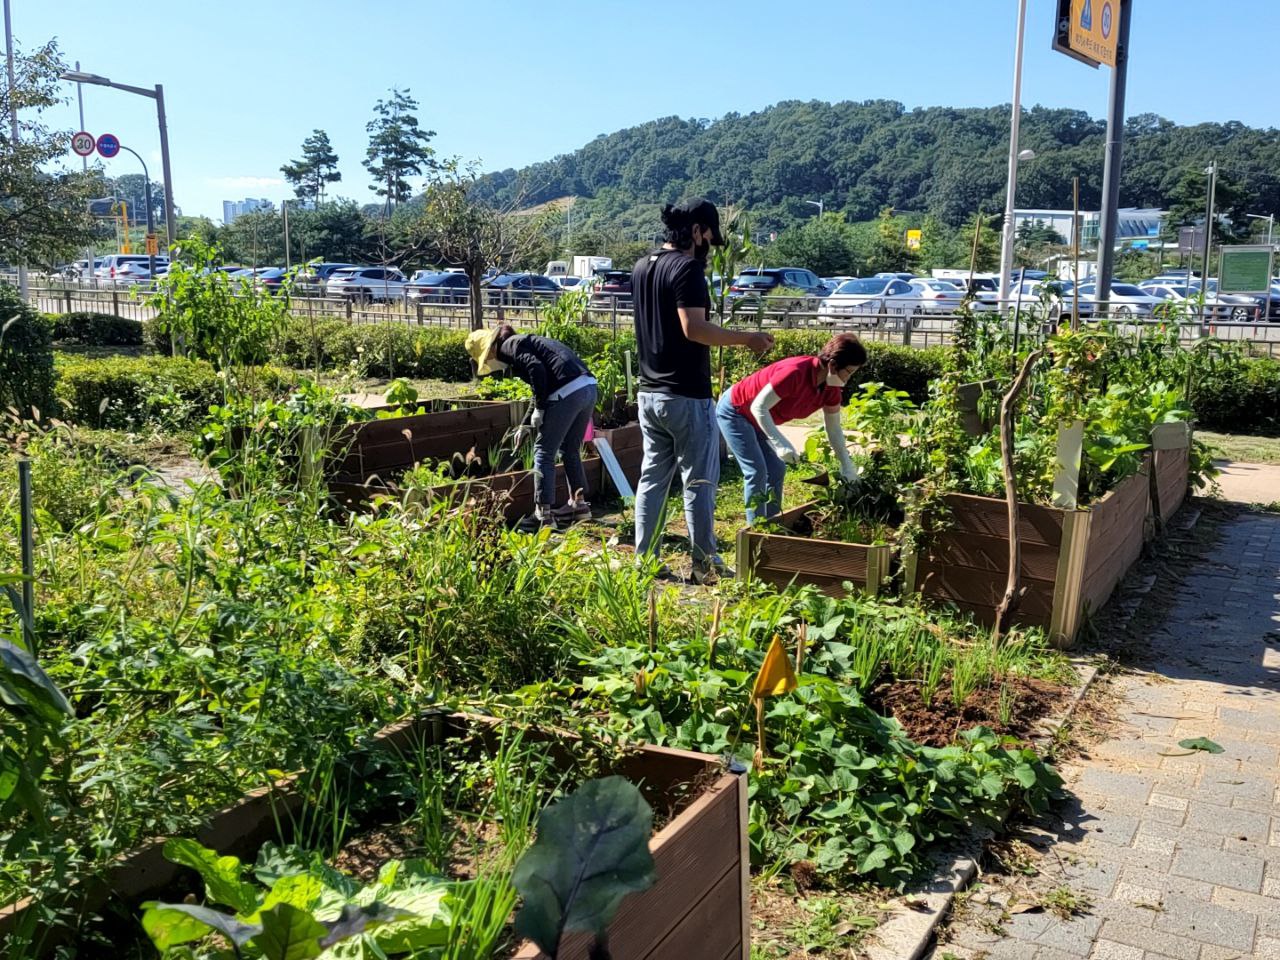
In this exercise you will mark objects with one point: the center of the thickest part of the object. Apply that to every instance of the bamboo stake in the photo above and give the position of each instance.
(802, 636)
(714, 637)
(1013, 590)
(653, 620)
(758, 760)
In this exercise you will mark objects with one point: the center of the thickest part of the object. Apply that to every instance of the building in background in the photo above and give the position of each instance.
(235, 208)
(1134, 224)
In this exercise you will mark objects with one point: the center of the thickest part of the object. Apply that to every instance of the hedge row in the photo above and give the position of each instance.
(97, 329)
(131, 392)
(26, 356)
(1241, 398)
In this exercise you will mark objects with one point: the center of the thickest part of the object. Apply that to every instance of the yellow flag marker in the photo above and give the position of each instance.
(776, 676)
(774, 679)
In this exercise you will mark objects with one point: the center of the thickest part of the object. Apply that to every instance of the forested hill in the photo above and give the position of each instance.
(861, 157)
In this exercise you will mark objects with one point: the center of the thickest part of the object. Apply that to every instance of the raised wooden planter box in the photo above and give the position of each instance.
(783, 560)
(699, 906)
(385, 446)
(518, 485)
(1071, 559)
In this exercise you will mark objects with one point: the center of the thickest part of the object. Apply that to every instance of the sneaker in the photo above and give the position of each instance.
(532, 522)
(572, 512)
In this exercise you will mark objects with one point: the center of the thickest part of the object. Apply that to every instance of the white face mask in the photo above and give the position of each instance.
(834, 381)
(497, 365)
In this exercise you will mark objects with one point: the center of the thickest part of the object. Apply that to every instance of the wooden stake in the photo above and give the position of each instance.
(715, 636)
(1013, 590)
(760, 745)
(653, 620)
(802, 636)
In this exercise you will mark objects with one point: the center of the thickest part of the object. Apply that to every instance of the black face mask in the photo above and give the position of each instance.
(702, 250)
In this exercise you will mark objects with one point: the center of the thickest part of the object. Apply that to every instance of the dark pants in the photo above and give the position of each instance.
(564, 425)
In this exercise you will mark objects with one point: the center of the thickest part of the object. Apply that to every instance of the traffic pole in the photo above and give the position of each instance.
(1114, 155)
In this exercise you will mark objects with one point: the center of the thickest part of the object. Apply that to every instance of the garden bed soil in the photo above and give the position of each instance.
(937, 724)
(784, 559)
(1071, 559)
(697, 907)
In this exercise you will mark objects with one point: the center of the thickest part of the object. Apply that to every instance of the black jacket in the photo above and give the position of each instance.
(543, 363)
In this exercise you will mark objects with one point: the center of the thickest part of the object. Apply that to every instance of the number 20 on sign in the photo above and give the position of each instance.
(83, 143)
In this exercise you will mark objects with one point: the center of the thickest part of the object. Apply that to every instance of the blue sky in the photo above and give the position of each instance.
(510, 82)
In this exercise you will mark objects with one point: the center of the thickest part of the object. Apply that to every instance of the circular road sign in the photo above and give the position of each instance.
(108, 145)
(1106, 21)
(83, 143)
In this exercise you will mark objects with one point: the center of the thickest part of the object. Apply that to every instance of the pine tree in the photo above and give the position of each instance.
(318, 166)
(398, 148)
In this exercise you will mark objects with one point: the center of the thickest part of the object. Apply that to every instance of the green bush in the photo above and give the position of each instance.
(130, 392)
(26, 356)
(97, 329)
(1241, 397)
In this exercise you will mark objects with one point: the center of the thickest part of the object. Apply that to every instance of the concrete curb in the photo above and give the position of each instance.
(908, 932)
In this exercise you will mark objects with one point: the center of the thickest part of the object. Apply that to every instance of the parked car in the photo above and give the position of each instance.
(613, 285)
(570, 283)
(521, 289)
(437, 286)
(873, 302)
(1127, 301)
(311, 279)
(832, 282)
(762, 281)
(270, 279)
(109, 271)
(1245, 306)
(76, 271)
(895, 275)
(1059, 294)
(366, 284)
(983, 290)
(939, 296)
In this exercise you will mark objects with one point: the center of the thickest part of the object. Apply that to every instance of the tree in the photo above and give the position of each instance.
(318, 166)
(889, 246)
(132, 189)
(940, 246)
(44, 212)
(398, 148)
(455, 227)
(988, 258)
(825, 245)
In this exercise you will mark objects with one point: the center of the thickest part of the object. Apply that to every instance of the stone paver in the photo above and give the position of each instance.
(1177, 851)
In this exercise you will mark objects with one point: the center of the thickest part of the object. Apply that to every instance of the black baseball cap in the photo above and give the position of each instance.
(702, 212)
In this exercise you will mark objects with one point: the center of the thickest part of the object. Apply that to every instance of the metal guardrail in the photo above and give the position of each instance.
(449, 308)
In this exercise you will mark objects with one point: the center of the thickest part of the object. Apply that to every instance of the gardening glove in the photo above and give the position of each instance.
(535, 421)
(786, 452)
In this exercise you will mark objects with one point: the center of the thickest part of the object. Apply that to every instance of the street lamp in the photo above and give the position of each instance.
(156, 94)
(1271, 222)
(1006, 240)
(818, 204)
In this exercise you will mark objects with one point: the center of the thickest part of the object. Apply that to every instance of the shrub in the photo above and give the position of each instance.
(1241, 397)
(26, 356)
(97, 329)
(130, 392)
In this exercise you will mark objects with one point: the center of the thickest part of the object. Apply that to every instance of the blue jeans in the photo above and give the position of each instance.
(762, 470)
(564, 424)
(678, 432)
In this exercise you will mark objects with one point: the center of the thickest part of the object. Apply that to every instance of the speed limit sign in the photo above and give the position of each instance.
(83, 143)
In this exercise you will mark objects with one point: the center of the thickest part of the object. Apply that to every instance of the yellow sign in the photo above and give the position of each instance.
(153, 245)
(913, 239)
(776, 675)
(1095, 28)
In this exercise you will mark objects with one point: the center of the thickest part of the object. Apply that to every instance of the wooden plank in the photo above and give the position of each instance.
(692, 854)
(983, 552)
(711, 929)
(989, 516)
(1068, 584)
(980, 588)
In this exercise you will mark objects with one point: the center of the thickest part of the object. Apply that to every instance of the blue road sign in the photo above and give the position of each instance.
(108, 145)
(1106, 20)
(1086, 16)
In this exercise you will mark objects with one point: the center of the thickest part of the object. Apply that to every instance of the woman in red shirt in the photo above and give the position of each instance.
(749, 413)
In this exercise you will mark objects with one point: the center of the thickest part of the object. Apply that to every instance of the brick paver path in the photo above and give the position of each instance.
(1179, 851)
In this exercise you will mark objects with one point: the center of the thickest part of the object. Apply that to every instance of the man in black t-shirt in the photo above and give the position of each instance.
(674, 338)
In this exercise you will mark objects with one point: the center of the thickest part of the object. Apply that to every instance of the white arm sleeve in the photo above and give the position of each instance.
(765, 401)
(835, 436)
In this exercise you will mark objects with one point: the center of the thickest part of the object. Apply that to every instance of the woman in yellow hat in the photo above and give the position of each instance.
(564, 395)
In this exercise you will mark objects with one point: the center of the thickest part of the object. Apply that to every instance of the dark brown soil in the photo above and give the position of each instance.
(937, 724)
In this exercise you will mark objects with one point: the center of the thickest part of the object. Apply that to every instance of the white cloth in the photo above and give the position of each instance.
(835, 437)
(765, 401)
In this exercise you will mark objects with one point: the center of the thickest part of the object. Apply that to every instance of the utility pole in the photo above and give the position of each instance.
(1114, 156)
(13, 123)
(1011, 186)
(1210, 195)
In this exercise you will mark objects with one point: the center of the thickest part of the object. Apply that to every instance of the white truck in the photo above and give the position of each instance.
(588, 267)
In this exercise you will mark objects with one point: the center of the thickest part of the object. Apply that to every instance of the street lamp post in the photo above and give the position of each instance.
(1211, 171)
(1271, 222)
(151, 227)
(13, 122)
(156, 94)
(818, 204)
(1011, 187)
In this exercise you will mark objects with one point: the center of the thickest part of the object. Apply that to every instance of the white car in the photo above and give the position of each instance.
(570, 283)
(939, 296)
(1029, 293)
(126, 268)
(1174, 293)
(874, 302)
(1126, 302)
(367, 284)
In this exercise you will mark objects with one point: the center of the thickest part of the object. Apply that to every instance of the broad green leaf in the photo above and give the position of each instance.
(1200, 743)
(1025, 774)
(298, 890)
(289, 934)
(592, 850)
(221, 875)
(169, 924)
(354, 920)
(20, 671)
(423, 906)
(10, 771)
